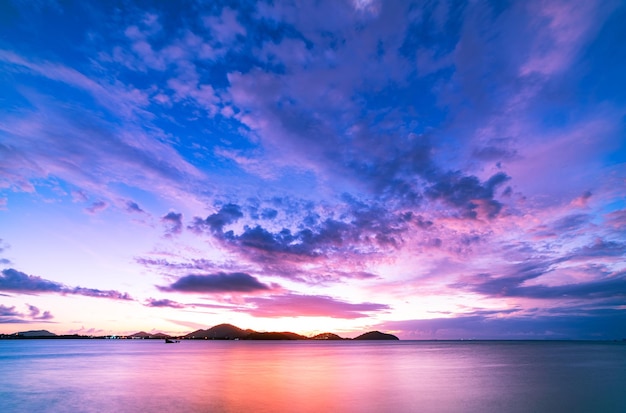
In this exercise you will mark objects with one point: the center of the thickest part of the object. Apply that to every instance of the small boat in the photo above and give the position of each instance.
(170, 341)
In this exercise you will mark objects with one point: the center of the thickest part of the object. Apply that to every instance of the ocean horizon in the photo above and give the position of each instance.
(311, 376)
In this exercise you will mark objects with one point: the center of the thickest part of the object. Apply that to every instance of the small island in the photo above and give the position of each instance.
(218, 332)
(376, 335)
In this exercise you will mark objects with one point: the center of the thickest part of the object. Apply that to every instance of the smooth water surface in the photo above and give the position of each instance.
(311, 376)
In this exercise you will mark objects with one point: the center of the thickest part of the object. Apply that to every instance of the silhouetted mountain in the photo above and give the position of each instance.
(273, 335)
(35, 333)
(196, 334)
(143, 334)
(376, 335)
(231, 332)
(327, 336)
(220, 332)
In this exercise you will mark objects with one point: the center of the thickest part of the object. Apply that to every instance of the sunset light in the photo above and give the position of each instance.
(441, 170)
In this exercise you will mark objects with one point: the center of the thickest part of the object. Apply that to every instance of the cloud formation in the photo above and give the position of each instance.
(16, 281)
(9, 315)
(601, 324)
(429, 152)
(297, 305)
(173, 222)
(163, 303)
(218, 283)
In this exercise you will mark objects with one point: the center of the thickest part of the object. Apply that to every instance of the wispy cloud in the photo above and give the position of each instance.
(599, 324)
(173, 222)
(10, 315)
(163, 303)
(16, 281)
(297, 305)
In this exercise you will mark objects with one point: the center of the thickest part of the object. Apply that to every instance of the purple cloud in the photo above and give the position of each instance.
(9, 315)
(93, 292)
(600, 248)
(587, 325)
(362, 224)
(13, 280)
(16, 281)
(96, 207)
(514, 285)
(182, 264)
(162, 303)
(237, 282)
(8, 311)
(36, 314)
(227, 214)
(467, 193)
(132, 206)
(296, 305)
(174, 223)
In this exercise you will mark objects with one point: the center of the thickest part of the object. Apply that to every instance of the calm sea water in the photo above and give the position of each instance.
(244, 376)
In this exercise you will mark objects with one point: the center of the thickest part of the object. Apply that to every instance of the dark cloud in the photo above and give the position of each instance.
(468, 193)
(605, 288)
(361, 227)
(132, 206)
(96, 207)
(612, 286)
(237, 282)
(151, 302)
(393, 169)
(260, 239)
(379, 153)
(14, 280)
(295, 305)
(173, 222)
(594, 325)
(329, 236)
(269, 213)
(36, 314)
(228, 214)
(9, 315)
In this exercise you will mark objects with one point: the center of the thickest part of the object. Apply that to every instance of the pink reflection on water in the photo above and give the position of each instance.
(346, 376)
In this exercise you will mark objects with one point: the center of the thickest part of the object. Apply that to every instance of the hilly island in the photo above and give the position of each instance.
(218, 332)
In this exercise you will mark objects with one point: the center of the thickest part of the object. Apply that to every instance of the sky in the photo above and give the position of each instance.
(432, 169)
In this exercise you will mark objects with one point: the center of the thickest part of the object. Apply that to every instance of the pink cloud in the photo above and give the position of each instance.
(295, 305)
(555, 45)
(225, 28)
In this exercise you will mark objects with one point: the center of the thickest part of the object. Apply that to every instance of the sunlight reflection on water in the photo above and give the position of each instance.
(238, 376)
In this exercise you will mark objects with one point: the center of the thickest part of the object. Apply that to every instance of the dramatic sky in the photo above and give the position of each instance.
(434, 169)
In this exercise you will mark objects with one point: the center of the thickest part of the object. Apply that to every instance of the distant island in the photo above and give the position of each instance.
(218, 332)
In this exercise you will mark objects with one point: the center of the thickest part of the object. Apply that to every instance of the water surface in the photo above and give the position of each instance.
(311, 376)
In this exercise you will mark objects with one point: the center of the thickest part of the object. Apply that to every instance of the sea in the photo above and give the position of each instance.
(312, 376)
